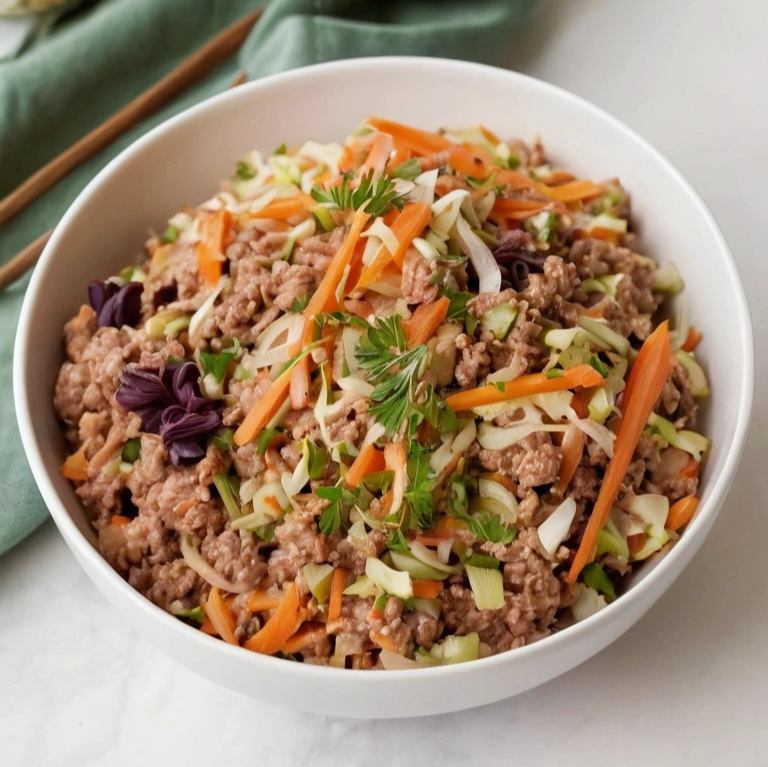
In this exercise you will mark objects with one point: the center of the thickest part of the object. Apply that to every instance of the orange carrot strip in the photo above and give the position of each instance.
(374, 614)
(524, 386)
(338, 584)
(397, 158)
(384, 640)
(208, 628)
(645, 383)
(690, 470)
(418, 141)
(286, 207)
(558, 176)
(490, 135)
(259, 601)
(283, 624)
(378, 154)
(572, 449)
(409, 224)
(506, 205)
(433, 539)
(263, 411)
(75, 467)
(214, 231)
(427, 589)
(324, 300)
(573, 191)
(481, 152)
(221, 616)
(680, 513)
(308, 634)
(369, 461)
(636, 542)
(425, 321)
(118, 520)
(692, 340)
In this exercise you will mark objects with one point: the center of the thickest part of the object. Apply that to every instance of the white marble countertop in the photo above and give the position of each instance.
(686, 686)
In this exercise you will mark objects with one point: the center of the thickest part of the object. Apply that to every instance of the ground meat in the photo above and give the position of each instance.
(520, 349)
(318, 251)
(350, 423)
(176, 266)
(299, 542)
(247, 394)
(351, 555)
(353, 619)
(391, 630)
(677, 402)
(235, 556)
(585, 484)
(551, 292)
(78, 332)
(288, 283)
(665, 476)
(425, 627)
(474, 361)
(533, 461)
(419, 285)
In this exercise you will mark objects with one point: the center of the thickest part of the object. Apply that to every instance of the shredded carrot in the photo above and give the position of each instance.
(680, 512)
(75, 467)
(369, 461)
(572, 449)
(221, 616)
(412, 220)
(690, 470)
(214, 232)
(644, 386)
(579, 405)
(359, 308)
(284, 208)
(425, 321)
(573, 191)
(636, 542)
(118, 520)
(427, 589)
(350, 158)
(378, 154)
(308, 634)
(600, 233)
(384, 640)
(524, 386)
(324, 300)
(283, 624)
(259, 601)
(692, 340)
(506, 205)
(263, 411)
(490, 135)
(374, 614)
(208, 628)
(433, 539)
(418, 141)
(558, 176)
(481, 152)
(338, 584)
(398, 157)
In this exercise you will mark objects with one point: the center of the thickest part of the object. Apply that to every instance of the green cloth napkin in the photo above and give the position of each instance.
(106, 53)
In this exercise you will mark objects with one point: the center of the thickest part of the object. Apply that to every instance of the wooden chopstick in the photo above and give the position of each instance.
(200, 62)
(191, 69)
(22, 261)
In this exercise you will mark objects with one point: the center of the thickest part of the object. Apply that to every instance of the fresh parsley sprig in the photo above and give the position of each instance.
(376, 199)
(341, 501)
(483, 525)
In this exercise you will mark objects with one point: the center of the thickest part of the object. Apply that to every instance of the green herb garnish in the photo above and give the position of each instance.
(265, 437)
(408, 170)
(376, 200)
(597, 364)
(554, 373)
(487, 527)
(299, 304)
(131, 450)
(457, 309)
(282, 149)
(244, 170)
(170, 235)
(342, 499)
(596, 578)
(216, 364)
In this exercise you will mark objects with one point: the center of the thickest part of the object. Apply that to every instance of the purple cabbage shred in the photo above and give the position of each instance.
(170, 404)
(115, 305)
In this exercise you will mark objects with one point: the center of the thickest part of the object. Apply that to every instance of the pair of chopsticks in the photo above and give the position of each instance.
(191, 69)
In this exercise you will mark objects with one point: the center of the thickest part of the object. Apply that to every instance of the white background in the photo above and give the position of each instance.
(687, 686)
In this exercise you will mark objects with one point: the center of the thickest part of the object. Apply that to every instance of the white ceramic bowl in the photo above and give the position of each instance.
(183, 160)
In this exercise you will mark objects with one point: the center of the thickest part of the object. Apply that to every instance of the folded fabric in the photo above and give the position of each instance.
(106, 53)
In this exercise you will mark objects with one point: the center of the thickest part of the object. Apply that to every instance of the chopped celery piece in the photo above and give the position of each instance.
(407, 563)
(699, 385)
(174, 327)
(599, 405)
(499, 319)
(362, 587)
(606, 284)
(666, 279)
(596, 578)
(194, 613)
(391, 581)
(689, 441)
(430, 606)
(610, 542)
(229, 489)
(324, 217)
(453, 649)
(607, 221)
(318, 578)
(587, 604)
(605, 334)
(131, 450)
(487, 587)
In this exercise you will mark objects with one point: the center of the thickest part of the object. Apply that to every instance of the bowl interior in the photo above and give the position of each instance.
(183, 161)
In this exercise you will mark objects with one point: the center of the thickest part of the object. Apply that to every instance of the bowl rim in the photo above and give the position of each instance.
(83, 548)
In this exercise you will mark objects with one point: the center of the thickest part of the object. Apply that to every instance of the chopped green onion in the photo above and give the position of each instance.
(244, 171)
(597, 364)
(324, 217)
(482, 560)
(170, 235)
(131, 450)
(555, 373)
(229, 489)
(595, 577)
(265, 437)
(194, 613)
(282, 149)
